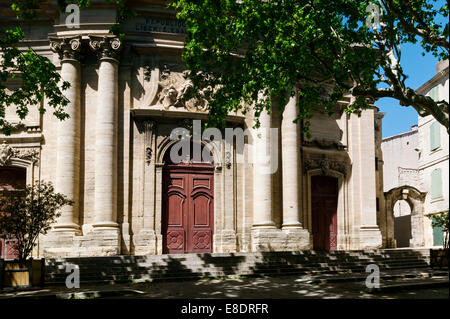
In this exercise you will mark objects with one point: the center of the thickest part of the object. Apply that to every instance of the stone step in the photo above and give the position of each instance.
(162, 271)
(238, 256)
(190, 266)
(193, 276)
(208, 271)
(112, 262)
(143, 267)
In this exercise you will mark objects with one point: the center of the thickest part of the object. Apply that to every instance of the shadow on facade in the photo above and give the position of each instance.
(124, 269)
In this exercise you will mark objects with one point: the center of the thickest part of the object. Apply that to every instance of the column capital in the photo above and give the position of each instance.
(68, 48)
(106, 47)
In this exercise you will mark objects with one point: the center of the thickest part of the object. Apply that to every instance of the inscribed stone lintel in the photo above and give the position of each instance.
(326, 164)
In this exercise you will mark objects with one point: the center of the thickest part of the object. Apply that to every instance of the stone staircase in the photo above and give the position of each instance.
(123, 269)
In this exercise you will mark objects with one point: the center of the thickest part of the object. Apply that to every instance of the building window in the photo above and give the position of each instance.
(435, 136)
(436, 184)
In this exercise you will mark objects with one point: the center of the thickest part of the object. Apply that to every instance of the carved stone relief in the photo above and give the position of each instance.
(7, 153)
(168, 86)
(325, 164)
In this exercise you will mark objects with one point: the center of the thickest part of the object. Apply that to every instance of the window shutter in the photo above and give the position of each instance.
(434, 93)
(438, 236)
(435, 136)
(436, 184)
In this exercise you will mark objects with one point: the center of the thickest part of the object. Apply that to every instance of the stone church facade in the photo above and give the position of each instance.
(111, 155)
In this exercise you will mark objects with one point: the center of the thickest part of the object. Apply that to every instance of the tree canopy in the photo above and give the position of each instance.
(36, 75)
(246, 54)
(253, 52)
(26, 214)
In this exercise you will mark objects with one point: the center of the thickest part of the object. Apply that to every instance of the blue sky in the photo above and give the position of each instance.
(399, 119)
(420, 69)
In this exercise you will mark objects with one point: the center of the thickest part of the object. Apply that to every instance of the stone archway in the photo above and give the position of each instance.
(415, 199)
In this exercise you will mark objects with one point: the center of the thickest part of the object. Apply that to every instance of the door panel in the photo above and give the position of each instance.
(174, 219)
(188, 208)
(175, 204)
(200, 205)
(324, 212)
(201, 212)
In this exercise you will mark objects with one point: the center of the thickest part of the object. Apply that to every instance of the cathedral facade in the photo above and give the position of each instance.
(261, 192)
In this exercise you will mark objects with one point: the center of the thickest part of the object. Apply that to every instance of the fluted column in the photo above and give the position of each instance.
(68, 133)
(262, 212)
(105, 194)
(290, 152)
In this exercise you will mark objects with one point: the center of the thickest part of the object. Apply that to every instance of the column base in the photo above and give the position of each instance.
(370, 237)
(225, 241)
(273, 239)
(267, 224)
(66, 227)
(145, 242)
(294, 225)
(107, 225)
(94, 243)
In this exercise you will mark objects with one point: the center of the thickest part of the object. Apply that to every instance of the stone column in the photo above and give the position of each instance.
(262, 212)
(106, 133)
(290, 152)
(68, 139)
(363, 179)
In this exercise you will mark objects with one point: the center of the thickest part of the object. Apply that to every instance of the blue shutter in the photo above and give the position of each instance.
(436, 184)
(438, 236)
(435, 136)
(434, 93)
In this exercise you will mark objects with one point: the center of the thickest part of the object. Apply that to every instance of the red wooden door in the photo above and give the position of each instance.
(188, 209)
(11, 179)
(324, 191)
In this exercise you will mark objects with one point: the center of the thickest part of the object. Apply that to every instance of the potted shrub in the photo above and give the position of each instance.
(24, 215)
(439, 257)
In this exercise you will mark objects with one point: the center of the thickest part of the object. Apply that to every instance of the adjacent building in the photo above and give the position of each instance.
(416, 162)
(433, 153)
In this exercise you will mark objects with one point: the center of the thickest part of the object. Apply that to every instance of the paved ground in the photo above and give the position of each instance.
(256, 288)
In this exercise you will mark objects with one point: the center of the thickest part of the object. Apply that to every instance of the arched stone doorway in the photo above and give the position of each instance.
(415, 199)
(402, 223)
(188, 205)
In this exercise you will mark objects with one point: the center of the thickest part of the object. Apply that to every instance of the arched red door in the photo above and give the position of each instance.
(11, 179)
(324, 196)
(188, 207)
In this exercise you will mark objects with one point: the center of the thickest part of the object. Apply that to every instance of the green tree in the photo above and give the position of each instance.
(24, 215)
(253, 52)
(37, 75)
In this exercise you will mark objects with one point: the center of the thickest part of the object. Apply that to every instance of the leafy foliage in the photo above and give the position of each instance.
(38, 78)
(253, 52)
(24, 215)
